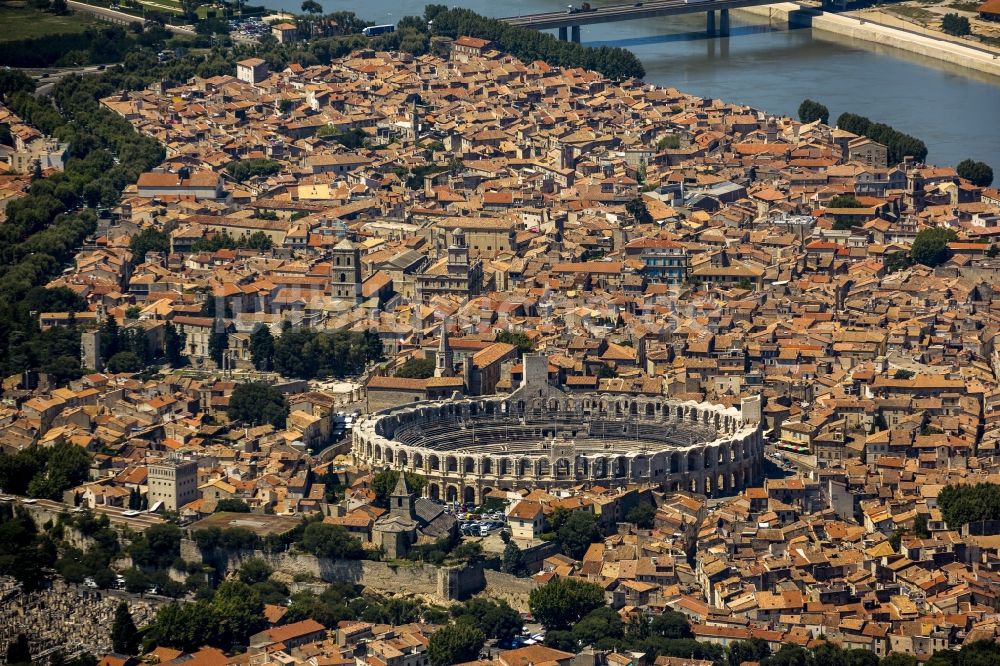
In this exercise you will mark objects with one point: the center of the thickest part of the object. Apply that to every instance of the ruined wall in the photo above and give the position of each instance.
(504, 587)
(444, 583)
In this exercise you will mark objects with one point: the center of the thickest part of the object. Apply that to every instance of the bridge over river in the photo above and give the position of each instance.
(568, 22)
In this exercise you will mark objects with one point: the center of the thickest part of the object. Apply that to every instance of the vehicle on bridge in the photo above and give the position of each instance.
(373, 30)
(585, 7)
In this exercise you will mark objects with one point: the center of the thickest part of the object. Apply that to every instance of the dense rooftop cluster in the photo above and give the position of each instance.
(441, 217)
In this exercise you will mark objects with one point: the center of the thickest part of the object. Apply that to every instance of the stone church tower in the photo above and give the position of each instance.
(345, 279)
(444, 365)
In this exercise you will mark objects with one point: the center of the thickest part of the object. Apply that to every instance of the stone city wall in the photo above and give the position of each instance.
(444, 583)
(504, 587)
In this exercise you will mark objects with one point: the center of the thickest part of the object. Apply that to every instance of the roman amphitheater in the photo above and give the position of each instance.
(540, 437)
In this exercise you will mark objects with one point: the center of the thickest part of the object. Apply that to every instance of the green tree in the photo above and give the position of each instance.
(157, 547)
(513, 560)
(258, 403)
(262, 348)
(331, 541)
(562, 603)
(953, 24)
(577, 533)
(978, 173)
(148, 240)
(642, 514)
(754, 649)
(243, 170)
(560, 639)
(669, 142)
(186, 627)
(454, 644)
(384, 482)
(845, 201)
(306, 354)
(312, 7)
(416, 368)
(173, 345)
(810, 111)
(13, 81)
(351, 139)
(124, 361)
(969, 503)
(637, 210)
(67, 465)
(19, 650)
(255, 570)
(672, 625)
(897, 261)
(789, 655)
(218, 343)
(920, 526)
(898, 145)
(239, 614)
(124, 635)
(898, 659)
(496, 619)
(232, 506)
(136, 580)
(601, 627)
(519, 339)
(930, 247)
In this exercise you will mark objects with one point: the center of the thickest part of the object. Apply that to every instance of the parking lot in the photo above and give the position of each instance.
(478, 523)
(251, 27)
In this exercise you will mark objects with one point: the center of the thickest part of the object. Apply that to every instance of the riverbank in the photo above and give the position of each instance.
(883, 35)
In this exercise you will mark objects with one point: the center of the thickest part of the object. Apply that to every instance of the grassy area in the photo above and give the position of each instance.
(916, 13)
(965, 6)
(21, 22)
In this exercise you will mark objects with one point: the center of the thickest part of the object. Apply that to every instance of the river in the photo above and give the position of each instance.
(953, 110)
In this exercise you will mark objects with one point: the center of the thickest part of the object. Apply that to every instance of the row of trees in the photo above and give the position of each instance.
(258, 240)
(961, 505)
(44, 472)
(243, 170)
(308, 354)
(24, 552)
(898, 145)
(227, 621)
(258, 403)
(40, 234)
(98, 44)
(530, 45)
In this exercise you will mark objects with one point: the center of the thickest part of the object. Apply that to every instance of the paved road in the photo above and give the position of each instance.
(46, 79)
(121, 17)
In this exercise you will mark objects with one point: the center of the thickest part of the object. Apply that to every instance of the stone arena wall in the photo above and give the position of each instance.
(465, 448)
